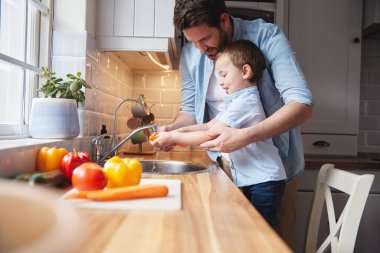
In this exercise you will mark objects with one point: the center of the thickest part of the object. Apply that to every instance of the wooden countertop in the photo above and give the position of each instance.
(215, 217)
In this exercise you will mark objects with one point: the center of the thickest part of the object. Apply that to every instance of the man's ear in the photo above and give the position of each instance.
(224, 20)
(247, 72)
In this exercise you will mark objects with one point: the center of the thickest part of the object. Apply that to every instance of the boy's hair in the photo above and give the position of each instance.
(190, 13)
(243, 52)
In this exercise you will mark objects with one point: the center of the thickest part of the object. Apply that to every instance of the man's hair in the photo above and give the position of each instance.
(243, 52)
(190, 13)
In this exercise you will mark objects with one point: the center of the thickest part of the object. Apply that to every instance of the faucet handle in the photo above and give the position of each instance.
(155, 128)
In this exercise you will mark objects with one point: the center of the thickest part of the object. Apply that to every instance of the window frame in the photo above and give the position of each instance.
(38, 49)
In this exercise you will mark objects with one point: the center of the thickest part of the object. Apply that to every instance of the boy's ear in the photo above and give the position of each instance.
(247, 72)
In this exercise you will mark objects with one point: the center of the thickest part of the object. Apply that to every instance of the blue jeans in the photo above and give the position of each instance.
(266, 198)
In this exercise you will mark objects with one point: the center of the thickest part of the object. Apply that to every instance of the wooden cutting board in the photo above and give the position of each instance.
(170, 202)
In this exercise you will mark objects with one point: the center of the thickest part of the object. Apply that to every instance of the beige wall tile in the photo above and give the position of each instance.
(157, 80)
(89, 103)
(153, 96)
(138, 80)
(97, 76)
(88, 74)
(163, 111)
(171, 96)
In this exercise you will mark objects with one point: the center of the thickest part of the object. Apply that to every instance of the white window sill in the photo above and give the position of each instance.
(19, 143)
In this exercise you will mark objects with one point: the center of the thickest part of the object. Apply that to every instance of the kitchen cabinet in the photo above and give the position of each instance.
(369, 228)
(326, 37)
(135, 18)
(123, 19)
(137, 25)
(371, 18)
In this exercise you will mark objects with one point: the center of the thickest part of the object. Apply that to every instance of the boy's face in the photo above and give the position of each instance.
(230, 77)
(207, 39)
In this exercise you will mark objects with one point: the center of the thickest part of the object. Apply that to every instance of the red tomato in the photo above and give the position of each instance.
(88, 177)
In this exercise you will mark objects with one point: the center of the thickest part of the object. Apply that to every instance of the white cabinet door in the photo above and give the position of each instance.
(144, 18)
(163, 23)
(135, 18)
(124, 17)
(104, 20)
(326, 37)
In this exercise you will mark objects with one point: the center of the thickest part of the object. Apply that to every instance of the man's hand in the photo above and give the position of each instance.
(227, 139)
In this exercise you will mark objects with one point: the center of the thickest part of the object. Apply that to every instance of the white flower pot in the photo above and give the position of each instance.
(54, 118)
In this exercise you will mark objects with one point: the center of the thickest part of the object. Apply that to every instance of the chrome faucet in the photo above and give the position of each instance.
(139, 101)
(122, 141)
(99, 150)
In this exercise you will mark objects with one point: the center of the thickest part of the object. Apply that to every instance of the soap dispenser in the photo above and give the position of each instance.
(107, 140)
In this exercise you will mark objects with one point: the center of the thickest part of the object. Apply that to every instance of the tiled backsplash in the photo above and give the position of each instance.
(369, 124)
(111, 82)
(162, 91)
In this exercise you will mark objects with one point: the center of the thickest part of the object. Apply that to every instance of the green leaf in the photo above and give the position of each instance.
(57, 88)
(75, 86)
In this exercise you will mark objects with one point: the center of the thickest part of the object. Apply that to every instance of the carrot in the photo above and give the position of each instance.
(123, 193)
(152, 137)
(78, 195)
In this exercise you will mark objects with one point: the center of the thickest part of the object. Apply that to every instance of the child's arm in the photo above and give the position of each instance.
(182, 138)
(191, 135)
(197, 127)
(193, 128)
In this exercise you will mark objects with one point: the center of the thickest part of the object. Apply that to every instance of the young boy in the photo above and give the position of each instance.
(257, 168)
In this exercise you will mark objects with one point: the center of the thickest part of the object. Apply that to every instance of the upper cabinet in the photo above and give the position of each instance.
(137, 25)
(371, 19)
(326, 36)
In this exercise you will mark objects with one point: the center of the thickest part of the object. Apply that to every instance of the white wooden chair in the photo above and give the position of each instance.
(343, 230)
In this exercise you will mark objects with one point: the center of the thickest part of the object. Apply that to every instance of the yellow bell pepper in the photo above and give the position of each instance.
(122, 172)
(49, 159)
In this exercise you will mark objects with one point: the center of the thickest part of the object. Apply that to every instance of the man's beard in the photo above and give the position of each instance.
(211, 52)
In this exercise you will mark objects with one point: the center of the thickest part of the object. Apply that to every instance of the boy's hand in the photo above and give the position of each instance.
(162, 141)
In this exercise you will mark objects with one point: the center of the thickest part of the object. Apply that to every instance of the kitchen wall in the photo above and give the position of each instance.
(369, 124)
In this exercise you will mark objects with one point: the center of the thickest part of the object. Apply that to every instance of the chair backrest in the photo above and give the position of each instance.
(343, 230)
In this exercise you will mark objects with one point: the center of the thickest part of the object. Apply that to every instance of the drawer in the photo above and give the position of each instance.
(323, 144)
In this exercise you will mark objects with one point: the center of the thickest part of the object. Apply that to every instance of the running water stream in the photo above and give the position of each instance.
(155, 165)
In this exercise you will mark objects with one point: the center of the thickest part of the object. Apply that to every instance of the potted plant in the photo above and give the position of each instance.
(56, 115)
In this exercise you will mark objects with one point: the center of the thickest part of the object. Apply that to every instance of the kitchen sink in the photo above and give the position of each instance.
(172, 167)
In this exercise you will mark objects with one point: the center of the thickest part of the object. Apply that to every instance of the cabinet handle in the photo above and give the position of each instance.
(321, 144)
(356, 40)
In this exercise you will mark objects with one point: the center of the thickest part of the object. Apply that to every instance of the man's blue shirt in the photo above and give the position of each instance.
(283, 81)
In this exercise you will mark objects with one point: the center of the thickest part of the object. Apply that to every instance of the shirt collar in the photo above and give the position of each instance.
(233, 96)
(237, 29)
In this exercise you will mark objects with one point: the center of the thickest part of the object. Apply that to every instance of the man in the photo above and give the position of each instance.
(284, 93)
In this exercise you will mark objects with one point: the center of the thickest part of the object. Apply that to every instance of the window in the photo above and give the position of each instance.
(24, 47)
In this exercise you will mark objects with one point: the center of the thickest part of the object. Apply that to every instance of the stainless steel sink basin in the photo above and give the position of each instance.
(172, 167)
